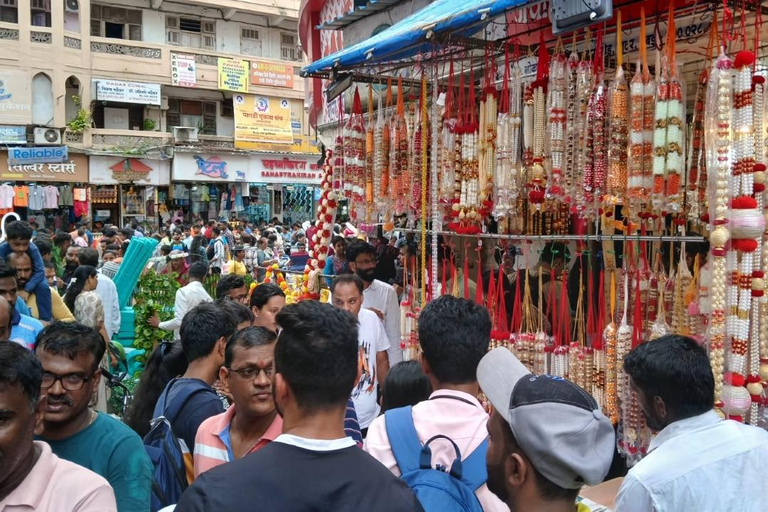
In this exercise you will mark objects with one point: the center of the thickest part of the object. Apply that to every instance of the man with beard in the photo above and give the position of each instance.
(379, 297)
(24, 328)
(31, 477)
(23, 265)
(697, 460)
(70, 354)
(547, 437)
(252, 422)
(71, 262)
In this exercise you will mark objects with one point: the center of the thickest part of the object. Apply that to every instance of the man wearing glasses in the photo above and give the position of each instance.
(252, 421)
(70, 354)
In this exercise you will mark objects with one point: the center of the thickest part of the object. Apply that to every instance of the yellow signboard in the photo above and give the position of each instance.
(233, 75)
(262, 119)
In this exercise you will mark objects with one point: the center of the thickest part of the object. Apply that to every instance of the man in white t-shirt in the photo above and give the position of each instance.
(347, 291)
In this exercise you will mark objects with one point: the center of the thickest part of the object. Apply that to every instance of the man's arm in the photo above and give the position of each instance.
(38, 276)
(179, 310)
(115, 307)
(392, 327)
(633, 497)
(382, 357)
(130, 474)
(60, 310)
(101, 499)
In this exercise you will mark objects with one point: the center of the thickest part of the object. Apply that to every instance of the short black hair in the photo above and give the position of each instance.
(49, 264)
(263, 292)
(88, 256)
(347, 279)
(71, 339)
(61, 238)
(113, 247)
(248, 338)
(110, 232)
(228, 282)
(405, 384)
(336, 239)
(165, 250)
(6, 270)
(201, 328)
(198, 269)
(454, 335)
(548, 490)
(20, 367)
(18, 230)
(316, 353)
(216, 230)
(676, 369)
(240, 312)
(358, 247)
(44, 246)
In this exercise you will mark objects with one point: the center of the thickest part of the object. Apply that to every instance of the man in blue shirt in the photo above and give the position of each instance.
(24, 328)
(70, 354)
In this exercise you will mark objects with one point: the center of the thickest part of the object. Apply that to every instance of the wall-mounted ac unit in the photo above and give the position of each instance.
(570, 15)
(72, 5)
(182, 134)
(47, 136)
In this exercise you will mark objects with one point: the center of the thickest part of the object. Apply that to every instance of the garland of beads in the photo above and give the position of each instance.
(661, 120)
(386, 149)
(675, 118)
(583, 175)
(354, 155)
(572, 128)
(557, 124)
(610, 405)
(617, 150)
(320, 242)
(759, 365)
(380, 150)
(635, 188)
(720, 93)
(623, 346)
(369, 157)
(697, 177)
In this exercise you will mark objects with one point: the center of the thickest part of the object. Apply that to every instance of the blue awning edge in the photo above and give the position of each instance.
(407, 37)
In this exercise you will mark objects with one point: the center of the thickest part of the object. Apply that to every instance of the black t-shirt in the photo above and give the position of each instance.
(286, 478)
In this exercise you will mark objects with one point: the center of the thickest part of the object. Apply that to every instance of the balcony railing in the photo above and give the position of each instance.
(127, 48)
(130, 142)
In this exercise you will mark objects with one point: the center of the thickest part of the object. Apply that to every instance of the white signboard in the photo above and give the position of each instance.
(128, 92)
(183, 70)
(280, 169)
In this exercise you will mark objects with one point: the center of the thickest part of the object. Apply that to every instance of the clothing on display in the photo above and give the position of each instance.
(6, 196)
(21, 196)
(36, 197)
(65, 196)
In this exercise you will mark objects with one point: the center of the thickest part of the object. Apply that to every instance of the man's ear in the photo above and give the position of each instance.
(515, 469)
(39, 414)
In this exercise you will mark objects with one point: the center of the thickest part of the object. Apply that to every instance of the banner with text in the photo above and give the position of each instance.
(260, 119)
(15, 97)
(75, 170)
(128, 92)
(183, 70)
(233, 75)
(272, 74)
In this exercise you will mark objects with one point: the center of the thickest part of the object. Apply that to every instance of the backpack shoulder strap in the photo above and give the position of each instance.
(170, 411)
(403, 438)
(474, 470)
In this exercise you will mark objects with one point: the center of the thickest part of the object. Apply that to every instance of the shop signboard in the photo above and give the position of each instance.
(38, 155)
(281, 169)
(15, 97)
(74, 170)
(210, 167)
(128, 92)
(13, 135)
(233, 75)
(272, 74)
(262, 119)
(108, 170)
(183, 70)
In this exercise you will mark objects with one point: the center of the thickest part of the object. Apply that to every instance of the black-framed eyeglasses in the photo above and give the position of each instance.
(70, 381)
(249, 373)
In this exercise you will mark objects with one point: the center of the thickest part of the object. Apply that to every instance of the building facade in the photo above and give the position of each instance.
(154, 109)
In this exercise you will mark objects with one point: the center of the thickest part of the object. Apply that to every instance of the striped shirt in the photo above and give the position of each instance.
(213, 442)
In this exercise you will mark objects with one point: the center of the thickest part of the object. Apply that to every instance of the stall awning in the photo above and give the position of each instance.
(408, 37)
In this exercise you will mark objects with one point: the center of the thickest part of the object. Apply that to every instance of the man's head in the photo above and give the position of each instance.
(248, 370)
(204, 332)
(19, 234)
(362, 260)
(347, 292)
(242, 315)
(70, 354)
(62, 241)
(547, 436)
(197, 271)
(454, 335)
(233, 287)
(72, 257)
(315, 359)
(88, 256)
(176, 261)
(6, 319)
(239, 253)
(177, 235)
(50, 273)
(20, 416)
(194, 230)
(672, 378)
(262, 243)
(555, 256)
(8, 285)
(44, 246)
(108, 256)
(23, 265)
(216, 231)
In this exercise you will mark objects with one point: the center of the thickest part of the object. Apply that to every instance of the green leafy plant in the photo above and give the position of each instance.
(155, 294)
(149, 125)
(81, 122)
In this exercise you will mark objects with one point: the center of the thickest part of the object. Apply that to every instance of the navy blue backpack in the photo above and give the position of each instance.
(164, 449)
(438, 489)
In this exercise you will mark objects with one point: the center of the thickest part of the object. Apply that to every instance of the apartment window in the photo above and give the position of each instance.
(115, 22)
(191, 32)
(250, 42)
(118, 116)
(193, 114)
(9, 12)
(41, 13)
(227, 109)
(288, 49)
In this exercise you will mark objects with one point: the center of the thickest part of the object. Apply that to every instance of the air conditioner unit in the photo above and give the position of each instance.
(72, 5)
(183, 134)
(47, 136)
(571, 15)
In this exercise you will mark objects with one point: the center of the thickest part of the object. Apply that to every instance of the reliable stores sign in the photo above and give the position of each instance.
(43, 155)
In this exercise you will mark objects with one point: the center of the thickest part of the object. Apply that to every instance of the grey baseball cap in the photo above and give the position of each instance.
(558, 425)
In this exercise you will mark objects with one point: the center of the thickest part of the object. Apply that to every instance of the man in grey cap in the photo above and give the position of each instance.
(547, 436)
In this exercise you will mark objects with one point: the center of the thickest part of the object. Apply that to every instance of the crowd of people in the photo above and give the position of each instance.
(309, 406)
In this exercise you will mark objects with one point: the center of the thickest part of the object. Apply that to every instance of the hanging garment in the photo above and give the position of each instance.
(21, 196)
(65, 196)
(36, 198)
(6, 197)
(51, 197)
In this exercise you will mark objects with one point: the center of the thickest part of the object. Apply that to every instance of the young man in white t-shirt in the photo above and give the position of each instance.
(347, 292)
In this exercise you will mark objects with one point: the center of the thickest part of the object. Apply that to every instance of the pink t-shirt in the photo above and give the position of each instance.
(57, 485)
(51, 197)
(454, 414)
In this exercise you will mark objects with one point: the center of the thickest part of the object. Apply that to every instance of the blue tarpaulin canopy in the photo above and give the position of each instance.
(408, 37)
